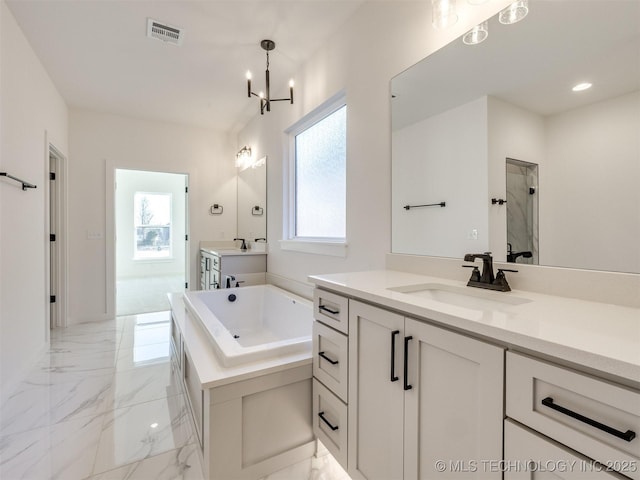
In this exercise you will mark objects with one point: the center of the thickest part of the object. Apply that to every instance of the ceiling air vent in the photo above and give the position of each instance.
(164, 32)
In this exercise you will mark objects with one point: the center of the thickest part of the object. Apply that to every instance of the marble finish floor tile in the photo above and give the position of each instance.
(135, 433)
(37, 406)
(65, 451)
(180, 464)
(146, 355)
(141, 385)
(62, 367)
(146, 335)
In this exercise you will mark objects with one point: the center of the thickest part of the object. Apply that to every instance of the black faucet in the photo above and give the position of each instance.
(243, 247)
(487, 279)
(487, 265)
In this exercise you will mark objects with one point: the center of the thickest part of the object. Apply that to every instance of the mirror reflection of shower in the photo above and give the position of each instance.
(522, 211)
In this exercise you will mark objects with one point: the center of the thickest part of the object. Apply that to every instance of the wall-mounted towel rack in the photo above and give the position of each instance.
(25, 185)
(257, 211)
(216, 209)
(441, 204)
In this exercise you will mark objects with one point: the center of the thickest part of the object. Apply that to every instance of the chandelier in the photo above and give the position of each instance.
(265, 100)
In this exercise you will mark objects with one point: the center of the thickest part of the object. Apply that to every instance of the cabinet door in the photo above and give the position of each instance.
(531, 456)
(454, 410)
(375, 408)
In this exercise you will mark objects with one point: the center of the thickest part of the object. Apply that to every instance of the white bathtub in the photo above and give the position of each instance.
(262, 321)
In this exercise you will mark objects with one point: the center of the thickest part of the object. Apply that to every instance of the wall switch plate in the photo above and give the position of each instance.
(94, 235)
(473, 234)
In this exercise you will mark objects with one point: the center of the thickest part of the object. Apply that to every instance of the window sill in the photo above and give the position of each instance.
(333, 249)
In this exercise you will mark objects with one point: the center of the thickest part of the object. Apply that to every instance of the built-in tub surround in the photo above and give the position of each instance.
(251, 323)
(598, 337)
(251, 419)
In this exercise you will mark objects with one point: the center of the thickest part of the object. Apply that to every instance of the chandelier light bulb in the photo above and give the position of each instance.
(477, 34)
(444, 13)
(514, 12)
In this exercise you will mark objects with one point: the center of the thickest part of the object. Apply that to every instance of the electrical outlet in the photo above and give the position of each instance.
(473, 234)
(94, 235)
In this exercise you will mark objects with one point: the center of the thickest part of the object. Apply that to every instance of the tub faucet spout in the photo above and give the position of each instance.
(228, 279)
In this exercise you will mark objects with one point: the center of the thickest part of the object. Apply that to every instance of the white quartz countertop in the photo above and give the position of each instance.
(222, 252)
(210, 371)
(598, 336)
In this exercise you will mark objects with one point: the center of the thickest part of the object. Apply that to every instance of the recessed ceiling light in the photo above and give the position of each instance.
(581, 86)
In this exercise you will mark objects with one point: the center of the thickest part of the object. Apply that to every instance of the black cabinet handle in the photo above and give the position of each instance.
(406, 363)
(327, 309)
(627, 436)
(332, 362)
(394, 378)
(332, 427)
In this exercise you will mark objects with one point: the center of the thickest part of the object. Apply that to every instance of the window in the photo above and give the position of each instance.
(317, 177)
(152, 222)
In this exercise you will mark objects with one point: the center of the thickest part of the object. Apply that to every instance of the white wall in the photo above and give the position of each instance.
(379, 41)
(130, 182)
(601, 179)
(99, 143)
(442, 158)
(514, 133)
(32, 114)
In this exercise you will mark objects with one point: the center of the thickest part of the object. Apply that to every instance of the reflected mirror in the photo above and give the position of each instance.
(252, 200)
(513, 160)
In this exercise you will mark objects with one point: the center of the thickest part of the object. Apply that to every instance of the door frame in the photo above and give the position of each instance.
(59, 284)
(110, 228)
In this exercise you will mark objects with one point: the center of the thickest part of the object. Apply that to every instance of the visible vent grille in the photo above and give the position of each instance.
(164, 32)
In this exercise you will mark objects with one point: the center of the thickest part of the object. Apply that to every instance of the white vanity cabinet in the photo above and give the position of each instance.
(417, 394)
(420, 395)
(530, 456)
(248, 268)
(593, 417)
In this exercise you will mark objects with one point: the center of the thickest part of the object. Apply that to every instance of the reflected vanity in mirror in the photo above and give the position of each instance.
(252, 200)
(499, 121)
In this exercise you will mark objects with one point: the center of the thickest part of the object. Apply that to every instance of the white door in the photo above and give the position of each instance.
(454, 410)
(375, 397)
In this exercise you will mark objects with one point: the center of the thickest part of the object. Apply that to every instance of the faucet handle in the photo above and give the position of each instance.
(507, 270)
(475, 274)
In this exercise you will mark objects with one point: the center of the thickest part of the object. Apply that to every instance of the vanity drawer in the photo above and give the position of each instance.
(330, 422)
(529, 455)
(331, 309)
(585, 413)
(331, 359)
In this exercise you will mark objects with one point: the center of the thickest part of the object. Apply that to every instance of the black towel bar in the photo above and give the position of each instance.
(25, 185)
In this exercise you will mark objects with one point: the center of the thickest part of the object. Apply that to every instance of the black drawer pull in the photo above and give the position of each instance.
(332, 362)
(329, 310)
(406, 363)
(627, 436)
(394, 378)
(332, 427)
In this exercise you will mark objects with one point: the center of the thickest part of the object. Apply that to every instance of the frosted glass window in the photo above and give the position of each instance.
(320, 178)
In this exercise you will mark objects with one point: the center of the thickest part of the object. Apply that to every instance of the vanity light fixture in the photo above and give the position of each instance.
(582, 86)
(514, 12)
(243, 158)
(444, 13)
(265, 100)
(477, 34)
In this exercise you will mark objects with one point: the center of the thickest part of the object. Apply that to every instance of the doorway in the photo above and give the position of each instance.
(522, 211)
(57, 277)
(151, 239)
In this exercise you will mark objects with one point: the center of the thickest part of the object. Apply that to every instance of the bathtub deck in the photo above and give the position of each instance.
(210, 370)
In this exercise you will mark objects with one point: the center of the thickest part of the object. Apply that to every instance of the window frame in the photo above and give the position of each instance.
(333, 246)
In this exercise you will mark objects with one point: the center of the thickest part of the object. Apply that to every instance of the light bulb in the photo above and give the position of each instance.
(477, 34)
(248, 75)
(514, 12)
(261, 94)
(291, 83)
(444, 13)
(581, 86)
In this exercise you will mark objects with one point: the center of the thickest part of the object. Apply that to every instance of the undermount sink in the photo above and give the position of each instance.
(467, 297)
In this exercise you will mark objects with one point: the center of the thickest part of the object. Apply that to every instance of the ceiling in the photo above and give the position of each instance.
(533, 63)
(99, 57)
